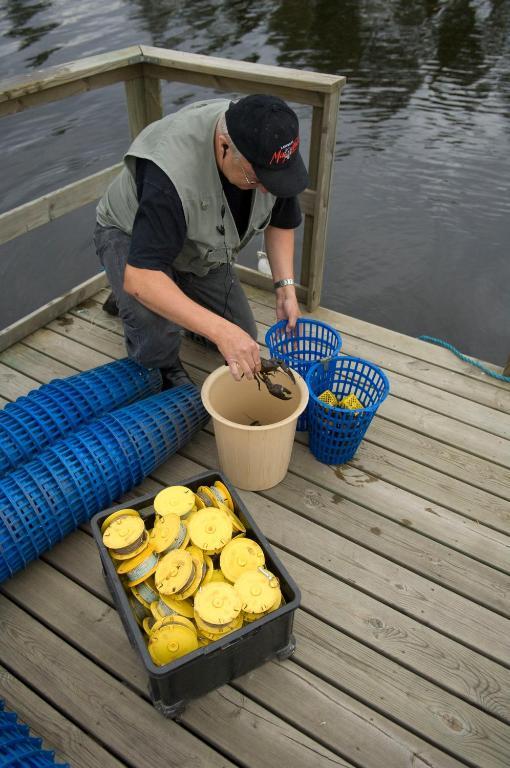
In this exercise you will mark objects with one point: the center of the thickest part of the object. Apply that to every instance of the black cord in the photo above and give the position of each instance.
(221, 229)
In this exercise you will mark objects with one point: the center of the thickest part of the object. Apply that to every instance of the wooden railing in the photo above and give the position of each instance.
(141, 69)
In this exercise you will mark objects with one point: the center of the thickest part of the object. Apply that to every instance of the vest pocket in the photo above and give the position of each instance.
(219, 255)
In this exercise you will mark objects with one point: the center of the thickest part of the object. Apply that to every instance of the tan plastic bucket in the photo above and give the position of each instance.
(253, 457)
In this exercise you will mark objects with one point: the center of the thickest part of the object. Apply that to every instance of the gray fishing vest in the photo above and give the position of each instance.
(182, 145)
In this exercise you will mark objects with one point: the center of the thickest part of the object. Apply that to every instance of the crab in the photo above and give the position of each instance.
(268, 369)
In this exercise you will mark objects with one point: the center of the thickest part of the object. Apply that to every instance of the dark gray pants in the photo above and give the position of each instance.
(152, 340)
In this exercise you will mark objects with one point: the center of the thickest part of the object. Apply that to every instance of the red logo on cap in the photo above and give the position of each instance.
(285, 152)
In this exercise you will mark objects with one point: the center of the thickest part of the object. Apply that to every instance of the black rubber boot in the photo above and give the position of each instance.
(110, 306)
(174, 376)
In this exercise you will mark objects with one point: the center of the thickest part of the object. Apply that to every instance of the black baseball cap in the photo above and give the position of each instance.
(265, 130)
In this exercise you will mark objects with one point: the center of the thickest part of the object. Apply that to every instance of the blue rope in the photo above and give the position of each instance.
(466, 359)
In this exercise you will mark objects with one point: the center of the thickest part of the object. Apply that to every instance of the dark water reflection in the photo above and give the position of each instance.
(419, 217)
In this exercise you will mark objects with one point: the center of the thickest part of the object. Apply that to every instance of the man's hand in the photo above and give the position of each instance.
(241, 352)
(287, 307)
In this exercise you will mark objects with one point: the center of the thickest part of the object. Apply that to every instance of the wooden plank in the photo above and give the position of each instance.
(394, 361)
(51, 77)
(44, 209)
(440, 657)
(460, 529)
(412, 701)
(58, 92)
(324, 170)
(473, 502)
(442, 609)
(52, 309)
(476, 503)
(309, 211)
(97, 629)
(398, 542)
(70, 742)
(365, 736)
(435, 399)
(93, 699)
(450, 666)
(135, 99)
(373, 622)
(421, 351)
(232, 84)
(378, 463)
(295, 79)
(448, 431)
(447, 460)
(153, 97)
(89, 335)
(383, 627)
(58, 346)
(14, 384)
(38, 366)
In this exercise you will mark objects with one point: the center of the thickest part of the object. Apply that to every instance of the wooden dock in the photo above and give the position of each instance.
(402, 557)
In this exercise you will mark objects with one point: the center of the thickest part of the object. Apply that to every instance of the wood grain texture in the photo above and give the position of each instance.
(26, 325)
(84, 621)
(51, 206)
(95, 700)
(70, 743)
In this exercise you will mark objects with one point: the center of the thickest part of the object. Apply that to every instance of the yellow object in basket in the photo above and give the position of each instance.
(351, 402)
(139, 568)
(190, 590)
(145, 592)
(171, 642)
(328, 397)
(240, 555)
(176, 500)
(168, 621)
(225, 493)
(119, 513)
(168, 533)
(182, 607)
(175, 572)
(210, 529)
(258, 590)
(217, 604)
(250, 617)
(215, 632)
(125, 536)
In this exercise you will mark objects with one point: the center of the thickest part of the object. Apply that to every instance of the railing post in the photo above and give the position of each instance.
(323, 138)
(313, 170)
(144, 104)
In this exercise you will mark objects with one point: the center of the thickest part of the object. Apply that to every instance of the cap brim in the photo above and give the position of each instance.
(284, 182)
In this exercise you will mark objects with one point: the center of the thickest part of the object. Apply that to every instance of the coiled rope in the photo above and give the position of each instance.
(465, 358)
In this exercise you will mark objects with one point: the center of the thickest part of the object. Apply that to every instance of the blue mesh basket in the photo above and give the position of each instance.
(310, 342)
(17, 748)
(88, 471)
(54, 410)
(335, 433)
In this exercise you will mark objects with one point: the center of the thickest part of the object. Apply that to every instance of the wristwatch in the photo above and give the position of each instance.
(281, 283)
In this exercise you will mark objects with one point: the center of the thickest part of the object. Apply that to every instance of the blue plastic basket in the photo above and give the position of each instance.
(17, 748)
(50, 496)
(335, 433)
(310, 342)
(54, 410)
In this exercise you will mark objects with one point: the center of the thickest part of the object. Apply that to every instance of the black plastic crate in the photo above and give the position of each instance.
(207, 668)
